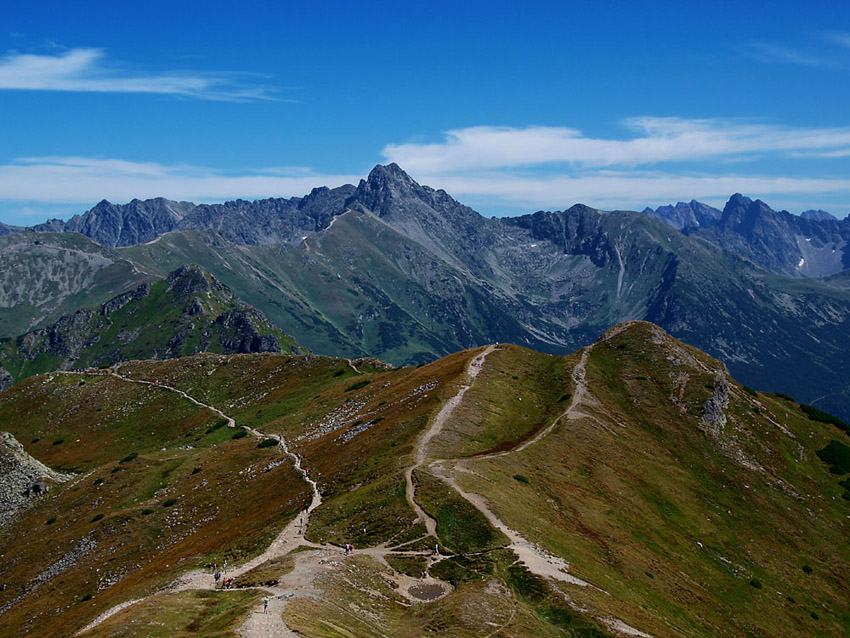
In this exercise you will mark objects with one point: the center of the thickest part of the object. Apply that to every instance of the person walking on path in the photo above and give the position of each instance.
(265, 604)
(224, 567)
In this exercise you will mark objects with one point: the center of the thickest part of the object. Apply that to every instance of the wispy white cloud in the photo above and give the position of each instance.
(88, 180)
(653, 162)
(622, 190)
(840, 38)
(656, 140)
(782, 53)
(89, 70)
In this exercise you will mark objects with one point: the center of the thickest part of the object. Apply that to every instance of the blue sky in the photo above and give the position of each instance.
(511, 107)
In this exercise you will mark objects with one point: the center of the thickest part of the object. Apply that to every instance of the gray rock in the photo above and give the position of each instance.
(713, 410)
(22, 478)
(6, 379)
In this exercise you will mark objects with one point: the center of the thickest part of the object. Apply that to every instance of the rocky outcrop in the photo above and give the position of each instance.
(713, 418)
(6, 379)
(116, 303)
(66, 338)
(188, 279)
(22, 478)
(240, 334)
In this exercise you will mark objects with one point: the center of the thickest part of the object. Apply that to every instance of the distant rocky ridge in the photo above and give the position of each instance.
(813, 244)
(189, 313)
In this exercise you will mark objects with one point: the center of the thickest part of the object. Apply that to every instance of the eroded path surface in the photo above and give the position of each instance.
(472, 369)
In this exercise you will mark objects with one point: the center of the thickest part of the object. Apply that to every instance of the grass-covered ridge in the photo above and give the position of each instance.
(673, 522)
(188, 313)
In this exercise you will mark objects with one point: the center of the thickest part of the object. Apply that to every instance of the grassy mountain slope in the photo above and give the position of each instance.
(190, 312)
(46, 275)
(253, 273)
(708, 524)
(691, 505)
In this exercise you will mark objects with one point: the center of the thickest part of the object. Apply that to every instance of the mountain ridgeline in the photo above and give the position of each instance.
(394, 269)
(813, 244)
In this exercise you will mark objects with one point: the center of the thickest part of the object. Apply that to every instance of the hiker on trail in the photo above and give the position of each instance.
(217, 576)
(265, 604)
(224, 567)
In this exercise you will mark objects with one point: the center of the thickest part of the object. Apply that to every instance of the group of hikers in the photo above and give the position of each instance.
(226, 583)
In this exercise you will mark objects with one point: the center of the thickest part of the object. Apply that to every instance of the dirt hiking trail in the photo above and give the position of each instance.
(472, 369)
(309, 564)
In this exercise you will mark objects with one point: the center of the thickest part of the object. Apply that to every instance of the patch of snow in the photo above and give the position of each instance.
(802, 261)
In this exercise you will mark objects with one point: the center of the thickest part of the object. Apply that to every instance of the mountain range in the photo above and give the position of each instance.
(393, 269)
(813, 244)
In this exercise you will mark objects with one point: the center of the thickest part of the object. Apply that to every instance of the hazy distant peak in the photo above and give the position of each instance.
(818, 215)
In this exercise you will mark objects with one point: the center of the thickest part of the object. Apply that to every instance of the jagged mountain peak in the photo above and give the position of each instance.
(388, 190)
(389, 172)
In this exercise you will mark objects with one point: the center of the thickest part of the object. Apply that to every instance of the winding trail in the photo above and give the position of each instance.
(308, 565)
(472, 369)
(291, 537)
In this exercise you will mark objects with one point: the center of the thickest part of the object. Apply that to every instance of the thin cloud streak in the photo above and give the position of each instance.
(775, 53)
(86, 70)
(611, 190)
(657, 140)
(84, 181)
(88, 180)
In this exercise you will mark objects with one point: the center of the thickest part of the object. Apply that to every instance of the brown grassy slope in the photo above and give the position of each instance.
(181, 615)
(355, 430)
(140, 544)
(673, 521)
(111, 535)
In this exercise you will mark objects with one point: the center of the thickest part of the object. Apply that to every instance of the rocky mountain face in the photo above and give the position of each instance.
(814, 244)
(188, 313)
(818, 216)
(686, 215)
(265, 221)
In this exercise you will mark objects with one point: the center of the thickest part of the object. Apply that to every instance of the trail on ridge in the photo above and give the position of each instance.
(473, 368)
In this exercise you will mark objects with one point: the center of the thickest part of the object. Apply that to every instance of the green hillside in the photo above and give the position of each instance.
(188, 313)
(631, 488)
